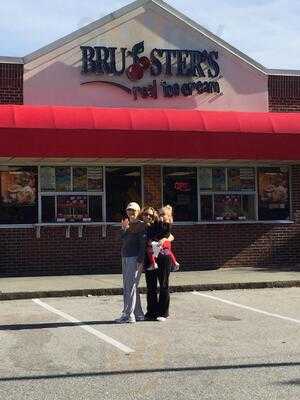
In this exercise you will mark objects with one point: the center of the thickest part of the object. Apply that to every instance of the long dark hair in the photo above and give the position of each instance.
(149, 208)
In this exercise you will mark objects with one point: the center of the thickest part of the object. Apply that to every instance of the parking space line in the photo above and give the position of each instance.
(87, 328)
(297, 321)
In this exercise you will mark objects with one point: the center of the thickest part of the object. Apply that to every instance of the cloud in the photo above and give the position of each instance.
(266, 30)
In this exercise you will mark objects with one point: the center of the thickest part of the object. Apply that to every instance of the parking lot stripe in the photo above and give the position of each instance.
(297, 321)
(87, 328)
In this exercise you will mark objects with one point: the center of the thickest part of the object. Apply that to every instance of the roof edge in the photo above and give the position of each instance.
(11, 60)
(84, 30)
(210, 35)
(284, 72)
(133, 6)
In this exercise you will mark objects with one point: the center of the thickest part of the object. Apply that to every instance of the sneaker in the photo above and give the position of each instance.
(140, 318)
(161, 319)
(175, 267)
(131, 320)
(122, 320)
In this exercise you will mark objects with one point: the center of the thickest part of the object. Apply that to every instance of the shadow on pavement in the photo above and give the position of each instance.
(49, 325)
(292, 382)
(153, 370)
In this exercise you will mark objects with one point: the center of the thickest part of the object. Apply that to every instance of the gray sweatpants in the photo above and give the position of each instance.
(131, 296)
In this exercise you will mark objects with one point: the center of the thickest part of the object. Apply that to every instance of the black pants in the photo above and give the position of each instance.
(158, 307)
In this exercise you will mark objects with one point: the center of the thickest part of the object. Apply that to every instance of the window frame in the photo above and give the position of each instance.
(141, 166)
(162, 165)
(197, 189)
(70, 193)
(242, 192)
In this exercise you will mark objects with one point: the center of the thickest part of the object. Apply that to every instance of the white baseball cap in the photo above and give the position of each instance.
(133, 206)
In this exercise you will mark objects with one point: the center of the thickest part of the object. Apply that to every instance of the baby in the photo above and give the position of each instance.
(162, 244)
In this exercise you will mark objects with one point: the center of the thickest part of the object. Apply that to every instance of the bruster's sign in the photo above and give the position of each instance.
(200, 68)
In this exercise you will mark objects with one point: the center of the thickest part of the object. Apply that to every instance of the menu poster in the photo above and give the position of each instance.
(219, 179)
(228, 207)
(80, 179)
(95, 179)
(18, 188)
(273, 189)
(205, 178)
(247, 176)
(234, 179)
(241, 179)
(72, 209)
(48, 182)
(63, 179)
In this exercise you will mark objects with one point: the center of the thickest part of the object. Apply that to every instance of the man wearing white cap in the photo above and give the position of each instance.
(133, 252)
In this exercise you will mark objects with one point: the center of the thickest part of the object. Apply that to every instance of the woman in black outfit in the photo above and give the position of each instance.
(157, 307)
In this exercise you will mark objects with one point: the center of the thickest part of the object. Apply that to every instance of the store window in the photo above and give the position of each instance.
(19, 200)
(273, 193)
(227, 194)
(123, 185)
(180, 191)
(71, 194)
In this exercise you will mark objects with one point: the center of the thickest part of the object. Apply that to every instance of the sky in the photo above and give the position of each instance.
(266, 30)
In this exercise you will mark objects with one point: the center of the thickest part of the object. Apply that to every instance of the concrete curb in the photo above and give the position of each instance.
(118, 291)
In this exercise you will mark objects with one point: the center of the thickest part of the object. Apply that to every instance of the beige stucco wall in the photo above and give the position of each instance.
(55, 78)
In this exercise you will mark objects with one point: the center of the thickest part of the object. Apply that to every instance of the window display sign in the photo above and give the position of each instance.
(80, 179)
(95, 179)
(180, 191)
(205, 178)
(18, 196)
(273, 196)
(228, 208)
(18, 188)
(241, 179)
(219, 179)
(48, 182)
(63, 179)
(182, 186)
(72, 209)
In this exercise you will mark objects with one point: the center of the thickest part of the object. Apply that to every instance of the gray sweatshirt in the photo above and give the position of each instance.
(134, 241)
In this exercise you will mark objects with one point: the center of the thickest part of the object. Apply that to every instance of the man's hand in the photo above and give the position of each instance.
(125, 224)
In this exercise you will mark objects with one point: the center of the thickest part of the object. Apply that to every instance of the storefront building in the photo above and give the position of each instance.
(146, 105)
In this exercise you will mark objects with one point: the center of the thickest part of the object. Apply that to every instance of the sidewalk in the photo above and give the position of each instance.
(97, 285)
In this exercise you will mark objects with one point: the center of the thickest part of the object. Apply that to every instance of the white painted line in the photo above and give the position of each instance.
(87, 328)
(247, 308)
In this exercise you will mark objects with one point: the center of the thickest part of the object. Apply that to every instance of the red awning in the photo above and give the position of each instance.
(87, 132)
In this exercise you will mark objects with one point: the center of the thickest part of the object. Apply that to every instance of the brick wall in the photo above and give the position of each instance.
(11, 83)
(284, 93)
(197, 247)
(22, 253)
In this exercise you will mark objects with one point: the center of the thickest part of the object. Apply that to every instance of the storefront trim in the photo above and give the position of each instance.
(93, 224)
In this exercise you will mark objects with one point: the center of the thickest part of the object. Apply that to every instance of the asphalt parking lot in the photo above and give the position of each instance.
(239, 344)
